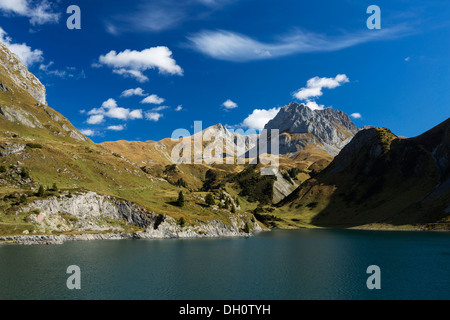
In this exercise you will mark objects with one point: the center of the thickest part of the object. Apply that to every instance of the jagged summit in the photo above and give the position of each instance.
(300, 126)
(298, 118)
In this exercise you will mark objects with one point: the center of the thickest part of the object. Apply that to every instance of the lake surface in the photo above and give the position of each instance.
(277, 265)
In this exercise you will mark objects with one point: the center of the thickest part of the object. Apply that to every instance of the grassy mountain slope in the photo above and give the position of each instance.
(379, 180)
(39, 147)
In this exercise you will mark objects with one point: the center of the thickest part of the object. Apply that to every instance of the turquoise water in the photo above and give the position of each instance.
(297, 264)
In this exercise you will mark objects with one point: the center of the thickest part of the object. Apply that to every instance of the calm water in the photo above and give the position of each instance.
(300, 264)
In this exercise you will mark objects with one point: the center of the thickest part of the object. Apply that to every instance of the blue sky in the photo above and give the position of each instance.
(233, 61)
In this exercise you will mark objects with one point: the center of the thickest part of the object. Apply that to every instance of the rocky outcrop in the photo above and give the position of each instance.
(89, 211)
(15, 114)
(11, 148)
(282, 187)
(16, 84)
(91, 216)
(21, 77)
(214, 228)
(4, 87)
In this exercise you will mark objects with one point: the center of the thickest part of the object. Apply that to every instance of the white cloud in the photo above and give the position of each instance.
(314, 106)
(153, 99)
(27, 55)
(88, 132)
(150, 16)
(116, 128)
(138, 75)
(159, 15)
(160, 108)
(229, 104)
(259, 118)
(16, 6)
(407, 59)
(133, 92)
(231, 46)
(153, 116)
(110, 109)
(109, 104)
(179, 108)
(315, 85)
(96, 119)
(39, 12)
(45, 67)
(68, 72)
(135, 114)
(118, 113)
(132, 63)
(356, 115)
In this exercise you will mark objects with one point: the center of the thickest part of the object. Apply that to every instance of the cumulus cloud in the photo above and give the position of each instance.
(229, 104)
(27, 55)
(110, 109)
(315, 85)
(88, 132)
(259, 118)
(109, 104)
(153, 99)
(96, 119)
(356, 115)
(231, 46)
(132, 63)
(179, 108)
(39, 12)
(153, 116)
(120, 127)
(133, 92)
(314, 105)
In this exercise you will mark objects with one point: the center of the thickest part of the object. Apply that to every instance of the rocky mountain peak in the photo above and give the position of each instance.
(300, 126)
(298, 118)
(13, 68)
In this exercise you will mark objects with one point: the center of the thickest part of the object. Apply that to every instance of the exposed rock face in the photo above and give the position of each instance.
(10, 148)
(21, 116)
(4, 87)
(90, 206)
(16, 84)
(22, 78)
(300, 126)
(282, 188)
(171, 229)
(91, 212)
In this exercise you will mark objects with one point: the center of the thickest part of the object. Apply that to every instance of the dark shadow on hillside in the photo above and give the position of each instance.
(399, 184)
(173, 203)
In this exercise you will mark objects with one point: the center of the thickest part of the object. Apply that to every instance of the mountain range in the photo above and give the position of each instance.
(54, 180)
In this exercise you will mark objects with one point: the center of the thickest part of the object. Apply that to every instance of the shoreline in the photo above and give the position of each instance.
(62, 238)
